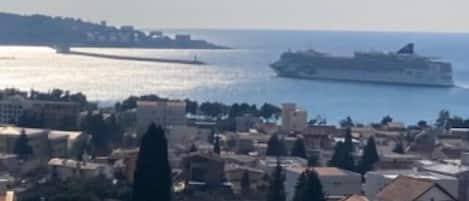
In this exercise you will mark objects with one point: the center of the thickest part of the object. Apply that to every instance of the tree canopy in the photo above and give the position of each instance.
(370, 156)
(342, 158)
(299, 149)
(245, 182)
(22, 147)
(276, 189)
(276, 147)
(153, 173)
(309, 187)
(347, 122)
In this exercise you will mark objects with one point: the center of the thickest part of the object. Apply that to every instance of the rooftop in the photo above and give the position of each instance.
(13, 130)
(446, 169)
(355, 197)
(332, 171)
(405, 188)
(74, 164)
(162, 102)
(392, 174)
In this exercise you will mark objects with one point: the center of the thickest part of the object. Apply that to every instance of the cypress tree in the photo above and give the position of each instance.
(216, 146)
(153, 173)
(299, 187)
(298, 148)
(398, 148)
(193, 148)
(309, 187)
(348, 144)
(342, 158)
(275, 147)
(313, 187)
(313, 161)
(22, 147)
(369, 157)
(276, 190)
(245, 182)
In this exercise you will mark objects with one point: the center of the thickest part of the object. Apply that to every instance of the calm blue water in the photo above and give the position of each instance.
(243, 74)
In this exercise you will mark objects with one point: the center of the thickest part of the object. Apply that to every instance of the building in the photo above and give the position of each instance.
(293, 119)
(181, 134)
(162, 113)
(339, 182)
(234, 174)
(8, 163)
(44, 142)
(62, 143)
(206, 169)
(355, 197)
(127, 158)
(245, 143)
(67, 168)
(397, 161)
(319, 137)
(56, 114)
(377, 180)
(38, 139)
(460, 171)
(413, 189)
(12, 108)
(246, 122)
(335, 182)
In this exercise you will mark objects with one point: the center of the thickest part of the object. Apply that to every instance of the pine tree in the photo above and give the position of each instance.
(245, 183)
(276, 190)
(369, 157)
(275, 147)
(153, 173)
(216, 146)
(298, 149)
(22, 147)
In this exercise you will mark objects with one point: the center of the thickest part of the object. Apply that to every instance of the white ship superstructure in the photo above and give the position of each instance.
(403, 67)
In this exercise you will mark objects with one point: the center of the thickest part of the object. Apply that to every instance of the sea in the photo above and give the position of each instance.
(242, 74)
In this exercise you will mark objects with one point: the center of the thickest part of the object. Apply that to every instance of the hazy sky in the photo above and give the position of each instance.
(376, 15)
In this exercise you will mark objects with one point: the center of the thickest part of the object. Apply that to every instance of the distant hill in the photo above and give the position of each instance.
(49, 31)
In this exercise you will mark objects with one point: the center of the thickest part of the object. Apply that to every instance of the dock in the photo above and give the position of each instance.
(66, 50)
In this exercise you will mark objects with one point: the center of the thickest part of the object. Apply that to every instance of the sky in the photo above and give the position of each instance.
(365, 15)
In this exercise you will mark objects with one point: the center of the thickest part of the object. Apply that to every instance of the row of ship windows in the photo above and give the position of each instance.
(421, 74)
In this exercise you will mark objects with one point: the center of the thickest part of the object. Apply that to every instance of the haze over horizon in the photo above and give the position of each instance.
(358, 15)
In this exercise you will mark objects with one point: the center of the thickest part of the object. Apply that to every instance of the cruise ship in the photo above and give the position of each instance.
(401, 67)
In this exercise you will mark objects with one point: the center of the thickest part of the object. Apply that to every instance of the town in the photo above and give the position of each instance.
(58, 146)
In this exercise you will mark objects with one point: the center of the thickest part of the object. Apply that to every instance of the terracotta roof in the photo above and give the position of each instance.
(405, 188)
(355, 197)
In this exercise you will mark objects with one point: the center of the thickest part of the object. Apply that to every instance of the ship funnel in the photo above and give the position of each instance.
(408, 49)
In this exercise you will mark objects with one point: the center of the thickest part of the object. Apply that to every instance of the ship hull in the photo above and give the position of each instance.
(364, 77)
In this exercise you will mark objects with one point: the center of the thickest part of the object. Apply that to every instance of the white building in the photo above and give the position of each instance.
(12, 108)
(181, 135)
(377, 180)
(67, 168)
(459, 170)
(293, 119)
(414, 189)
(335, 182)
(162, 113)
